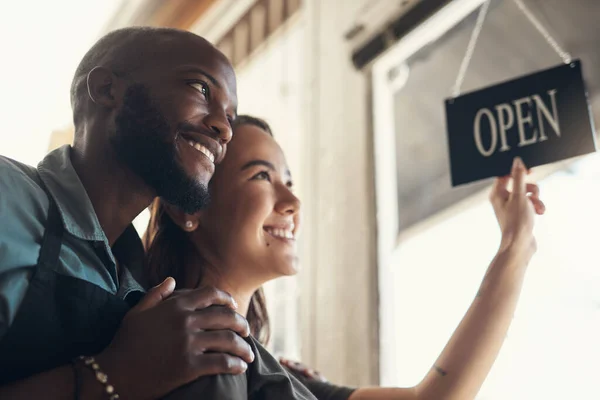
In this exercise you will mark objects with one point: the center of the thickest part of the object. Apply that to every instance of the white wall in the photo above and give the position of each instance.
(42, 44)
(342, 242)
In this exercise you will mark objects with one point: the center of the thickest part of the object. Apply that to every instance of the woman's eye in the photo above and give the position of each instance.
(262, 176)
(201, 87)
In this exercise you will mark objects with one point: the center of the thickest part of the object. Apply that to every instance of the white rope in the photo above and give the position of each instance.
(565, 56)
(470, 49)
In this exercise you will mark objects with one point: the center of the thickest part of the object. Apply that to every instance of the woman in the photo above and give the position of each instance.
(246, 237)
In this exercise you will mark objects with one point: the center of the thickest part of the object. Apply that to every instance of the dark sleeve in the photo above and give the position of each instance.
(222, 387)
(268, 380)
(323, 390)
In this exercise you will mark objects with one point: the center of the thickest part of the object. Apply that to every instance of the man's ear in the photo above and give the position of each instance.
(104, 87)
(187, 222)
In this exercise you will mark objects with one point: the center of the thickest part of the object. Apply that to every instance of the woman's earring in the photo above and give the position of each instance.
(189, 225)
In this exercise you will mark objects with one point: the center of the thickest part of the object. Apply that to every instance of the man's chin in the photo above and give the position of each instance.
(200, 176)
(191, 199)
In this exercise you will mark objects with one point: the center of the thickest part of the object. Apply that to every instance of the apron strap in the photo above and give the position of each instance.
(52, 240)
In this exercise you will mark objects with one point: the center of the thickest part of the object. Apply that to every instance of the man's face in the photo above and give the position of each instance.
(174, 123)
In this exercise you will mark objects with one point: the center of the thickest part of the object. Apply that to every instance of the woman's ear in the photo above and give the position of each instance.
(187, 222)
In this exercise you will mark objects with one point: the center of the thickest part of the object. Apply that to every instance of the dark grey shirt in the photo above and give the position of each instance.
(265, 379)
(324, 390)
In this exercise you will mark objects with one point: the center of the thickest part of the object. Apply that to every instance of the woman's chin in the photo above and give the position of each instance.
(288, 267)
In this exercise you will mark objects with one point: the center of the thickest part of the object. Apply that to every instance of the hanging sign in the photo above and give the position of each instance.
(542, 118)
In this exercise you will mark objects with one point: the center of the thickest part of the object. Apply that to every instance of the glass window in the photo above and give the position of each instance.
(435, 251)
(552, 347)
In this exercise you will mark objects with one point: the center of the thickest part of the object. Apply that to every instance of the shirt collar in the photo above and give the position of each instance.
(129, 250)
(80, 220)
(74, 205)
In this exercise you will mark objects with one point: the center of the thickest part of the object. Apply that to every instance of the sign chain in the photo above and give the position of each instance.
(470, 48)
(564, 55)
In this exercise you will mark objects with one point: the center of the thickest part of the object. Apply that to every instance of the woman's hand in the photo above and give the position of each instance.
(516, 209)
(302, 369)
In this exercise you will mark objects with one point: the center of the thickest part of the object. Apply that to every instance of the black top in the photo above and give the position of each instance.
(265, 379)
(323, 390)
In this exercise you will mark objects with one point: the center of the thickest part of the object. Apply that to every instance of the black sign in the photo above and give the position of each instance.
(543, 118)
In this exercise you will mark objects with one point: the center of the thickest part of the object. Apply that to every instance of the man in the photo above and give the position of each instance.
(152, 110)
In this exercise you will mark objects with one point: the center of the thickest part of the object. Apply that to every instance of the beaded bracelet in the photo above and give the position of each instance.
(101, 377)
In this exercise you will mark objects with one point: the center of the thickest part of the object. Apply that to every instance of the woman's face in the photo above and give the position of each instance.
(251, 222)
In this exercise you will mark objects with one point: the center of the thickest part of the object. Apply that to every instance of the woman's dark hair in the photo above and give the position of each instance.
(169, 251)
(241, 120)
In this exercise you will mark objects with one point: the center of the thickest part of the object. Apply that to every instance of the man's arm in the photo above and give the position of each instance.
(23, 206)
(57, 384)
(163, 343)
(23, 210)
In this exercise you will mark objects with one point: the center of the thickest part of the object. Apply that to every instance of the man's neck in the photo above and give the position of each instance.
(117, 195)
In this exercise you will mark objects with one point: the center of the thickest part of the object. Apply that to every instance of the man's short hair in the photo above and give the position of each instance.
(123, 51)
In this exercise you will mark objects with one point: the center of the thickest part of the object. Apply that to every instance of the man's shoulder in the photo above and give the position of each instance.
(14, 171)
(19, 186)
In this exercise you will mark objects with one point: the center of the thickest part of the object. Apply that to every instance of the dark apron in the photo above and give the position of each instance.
(61, 317)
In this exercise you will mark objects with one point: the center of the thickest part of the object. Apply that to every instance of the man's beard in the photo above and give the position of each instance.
(142, 142)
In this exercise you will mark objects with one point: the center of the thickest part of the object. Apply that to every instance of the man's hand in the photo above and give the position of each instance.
(171, 338)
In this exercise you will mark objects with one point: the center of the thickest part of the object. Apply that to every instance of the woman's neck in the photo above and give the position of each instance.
(219, 277)
(241, 296)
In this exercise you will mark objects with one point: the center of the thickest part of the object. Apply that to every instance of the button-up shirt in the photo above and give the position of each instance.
(85, 253)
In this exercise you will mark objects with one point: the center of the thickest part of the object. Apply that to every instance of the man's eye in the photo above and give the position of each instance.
(201, 87)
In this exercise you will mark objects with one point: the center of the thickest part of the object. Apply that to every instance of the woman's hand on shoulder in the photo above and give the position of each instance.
(302, 369)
